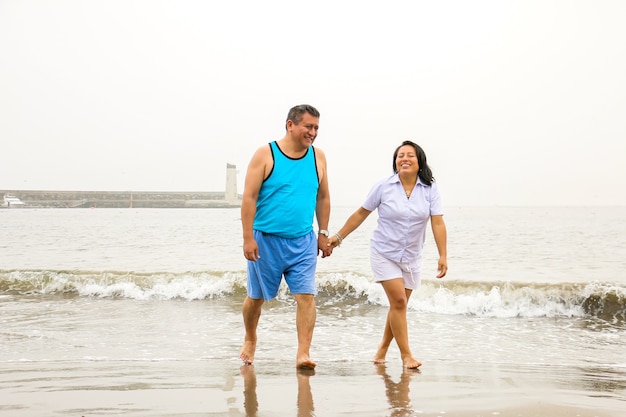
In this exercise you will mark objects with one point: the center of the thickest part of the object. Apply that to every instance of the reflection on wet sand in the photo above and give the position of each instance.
(398, 392)
(305, 397)
(304, 400)
(250, 402)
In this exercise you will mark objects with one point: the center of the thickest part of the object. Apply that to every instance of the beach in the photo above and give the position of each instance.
(137, 312)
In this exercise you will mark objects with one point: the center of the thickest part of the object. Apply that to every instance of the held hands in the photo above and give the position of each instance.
(333, 241)
(324, 246)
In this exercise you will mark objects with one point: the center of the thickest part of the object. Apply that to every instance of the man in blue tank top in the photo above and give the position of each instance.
(286, 186)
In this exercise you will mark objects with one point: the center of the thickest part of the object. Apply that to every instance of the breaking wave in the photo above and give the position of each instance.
(486, 299)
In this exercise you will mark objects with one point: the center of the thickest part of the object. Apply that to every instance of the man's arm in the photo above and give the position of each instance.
(254, 179)
(322, 208)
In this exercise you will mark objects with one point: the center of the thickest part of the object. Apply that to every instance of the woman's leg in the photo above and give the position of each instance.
(381, 353)
(396, 324)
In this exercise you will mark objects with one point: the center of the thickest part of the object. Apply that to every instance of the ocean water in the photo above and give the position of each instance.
(109, 289)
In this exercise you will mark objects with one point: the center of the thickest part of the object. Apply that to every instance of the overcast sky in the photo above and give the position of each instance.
(514, 102)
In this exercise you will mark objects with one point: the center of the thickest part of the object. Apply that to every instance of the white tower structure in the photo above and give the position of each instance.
(231, 195)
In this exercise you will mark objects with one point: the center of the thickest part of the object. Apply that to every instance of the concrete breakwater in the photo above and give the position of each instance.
(124, 199)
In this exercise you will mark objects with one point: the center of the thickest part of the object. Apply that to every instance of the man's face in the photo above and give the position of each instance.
(305, 132)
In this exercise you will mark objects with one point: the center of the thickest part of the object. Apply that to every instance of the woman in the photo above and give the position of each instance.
(405, 202)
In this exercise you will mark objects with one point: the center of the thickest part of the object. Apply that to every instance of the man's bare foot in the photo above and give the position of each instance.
(247, 352)
(305, 363)
(411, 363)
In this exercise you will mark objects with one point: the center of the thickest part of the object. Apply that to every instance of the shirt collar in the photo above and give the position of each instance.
(395, 178)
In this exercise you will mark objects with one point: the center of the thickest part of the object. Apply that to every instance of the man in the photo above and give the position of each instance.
(286, 184)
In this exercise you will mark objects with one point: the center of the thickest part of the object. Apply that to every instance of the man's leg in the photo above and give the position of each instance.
(305, 323)
(251, 313)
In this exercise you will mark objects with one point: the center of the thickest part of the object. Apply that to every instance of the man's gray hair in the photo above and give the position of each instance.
(297, 112)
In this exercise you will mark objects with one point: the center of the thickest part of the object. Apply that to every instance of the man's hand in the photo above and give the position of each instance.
(322, 245)
(250, 250)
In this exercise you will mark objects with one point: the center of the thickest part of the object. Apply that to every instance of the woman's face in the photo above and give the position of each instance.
(406, 160)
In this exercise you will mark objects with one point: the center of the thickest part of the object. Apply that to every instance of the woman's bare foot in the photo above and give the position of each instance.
(379, 357)
(411, 363)
(305, 363)
(247, 352)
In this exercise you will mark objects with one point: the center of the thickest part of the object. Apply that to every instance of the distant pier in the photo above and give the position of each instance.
(132, 199)
(122, 199)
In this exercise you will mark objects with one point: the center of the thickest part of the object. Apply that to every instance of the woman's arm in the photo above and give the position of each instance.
(353, 222)
(441, 239)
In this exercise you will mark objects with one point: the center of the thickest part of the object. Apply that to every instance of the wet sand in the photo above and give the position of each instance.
(218, 387)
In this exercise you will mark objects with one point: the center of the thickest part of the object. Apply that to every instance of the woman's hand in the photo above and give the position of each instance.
(333, 241)
(442, 267)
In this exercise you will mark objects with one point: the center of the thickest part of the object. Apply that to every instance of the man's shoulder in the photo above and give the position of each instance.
(263, 151)
(319, 153)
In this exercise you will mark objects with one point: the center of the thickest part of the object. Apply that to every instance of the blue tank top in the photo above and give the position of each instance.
(288, 196)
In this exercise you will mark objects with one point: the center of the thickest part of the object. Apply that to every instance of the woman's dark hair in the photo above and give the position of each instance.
(424, 173)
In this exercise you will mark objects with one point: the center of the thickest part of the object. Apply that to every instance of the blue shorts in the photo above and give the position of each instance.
(295, 258)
